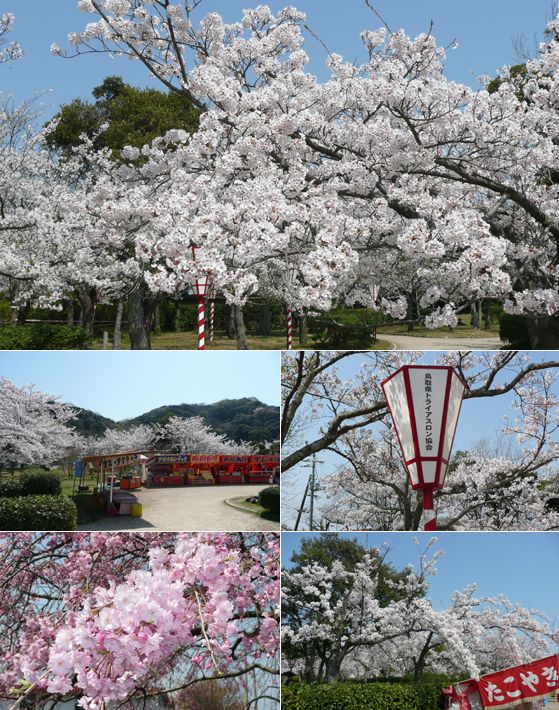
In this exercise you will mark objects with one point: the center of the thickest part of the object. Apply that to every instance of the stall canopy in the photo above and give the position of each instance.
(508, 688)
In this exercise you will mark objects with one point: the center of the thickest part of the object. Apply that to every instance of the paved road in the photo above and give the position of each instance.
(411, 342)
(196, 508)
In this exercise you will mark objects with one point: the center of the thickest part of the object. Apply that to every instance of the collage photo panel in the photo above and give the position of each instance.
(279, 355)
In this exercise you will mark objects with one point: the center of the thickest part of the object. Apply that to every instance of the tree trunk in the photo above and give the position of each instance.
(474, 310)
(265, 320)
(177, 320)
(410, 315)
(333, 667)
(157, 320)
(487, 320)
(118, 324)
(86, 298)
(419, 663)
(70, 311)
(22, 313)
(140, 310)
(240, 328)
(543, 332)
(303, 331)
(12, 295)
(231, 329)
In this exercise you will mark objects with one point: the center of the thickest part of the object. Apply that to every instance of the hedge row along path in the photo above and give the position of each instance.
(189, 508)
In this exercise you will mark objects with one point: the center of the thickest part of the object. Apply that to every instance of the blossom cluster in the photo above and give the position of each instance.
(133, 608)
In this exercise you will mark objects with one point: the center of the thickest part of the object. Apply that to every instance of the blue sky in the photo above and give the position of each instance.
(125, 384)
(479, 419)
(522, 566)
(484, 30)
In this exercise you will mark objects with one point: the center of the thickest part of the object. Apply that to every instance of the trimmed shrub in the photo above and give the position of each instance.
(11, 489)
(270, 498)
(89, 506)
(362, 696)
(41, 512)
(514, 328)
(41, 483)
(42, 336)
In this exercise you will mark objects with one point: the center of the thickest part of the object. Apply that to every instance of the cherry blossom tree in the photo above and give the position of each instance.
(193, 434)
(136, 438)
(119, 619)
(386, 163)
(33, 427)
(335, 609)
(515, 488)
(9, 50)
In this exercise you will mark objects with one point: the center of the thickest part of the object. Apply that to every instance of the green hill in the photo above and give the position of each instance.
(245, 419)
(91, 423)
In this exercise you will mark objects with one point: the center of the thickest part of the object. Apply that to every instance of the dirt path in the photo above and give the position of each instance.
(200, 508)
(411, 342)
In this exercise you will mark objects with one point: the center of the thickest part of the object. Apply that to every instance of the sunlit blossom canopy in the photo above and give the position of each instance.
(425, 402)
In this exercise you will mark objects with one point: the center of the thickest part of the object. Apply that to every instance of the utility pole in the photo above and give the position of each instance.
(311, 490)
(302, 506)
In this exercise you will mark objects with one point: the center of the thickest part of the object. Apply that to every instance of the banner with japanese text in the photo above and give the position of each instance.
(514, 686)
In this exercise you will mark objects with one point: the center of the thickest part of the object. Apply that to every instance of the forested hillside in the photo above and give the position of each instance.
(245, 419)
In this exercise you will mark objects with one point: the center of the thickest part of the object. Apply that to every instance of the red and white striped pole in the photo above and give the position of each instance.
(201, 324)
(429, 515)
(212, 319)
(289, 329)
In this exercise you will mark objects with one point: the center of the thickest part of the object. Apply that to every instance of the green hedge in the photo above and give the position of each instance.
(514, 328)
(270, 498)
(90, 506)
(32, 483)
(363, 696)
(41, 483)
(42, 336)
(11, 489)
(38, 513)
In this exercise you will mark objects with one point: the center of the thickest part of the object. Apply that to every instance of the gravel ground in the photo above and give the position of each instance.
(189, 508)
(410, 342)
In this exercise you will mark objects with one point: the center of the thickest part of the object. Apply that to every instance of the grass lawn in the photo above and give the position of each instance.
(255, 508)
(189, 341)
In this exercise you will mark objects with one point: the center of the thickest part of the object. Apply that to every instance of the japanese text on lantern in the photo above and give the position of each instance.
(530, 681)
(428, 412)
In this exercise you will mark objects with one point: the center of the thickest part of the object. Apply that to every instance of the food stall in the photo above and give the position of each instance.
(523, 687)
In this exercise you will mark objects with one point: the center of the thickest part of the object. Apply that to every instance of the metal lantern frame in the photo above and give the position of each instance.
(425, 438)
(200, 286)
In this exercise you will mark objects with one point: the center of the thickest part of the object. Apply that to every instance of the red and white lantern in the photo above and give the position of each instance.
(291, 275)
(200, 285)
(289, 329)
(425, 402)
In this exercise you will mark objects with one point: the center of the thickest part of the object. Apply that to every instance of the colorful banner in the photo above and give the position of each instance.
(265, 458)
(170, 458)
(513, 686)
(203, 458)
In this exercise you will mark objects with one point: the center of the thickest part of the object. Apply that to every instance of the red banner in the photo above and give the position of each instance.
(513, 686)
(204, 458)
